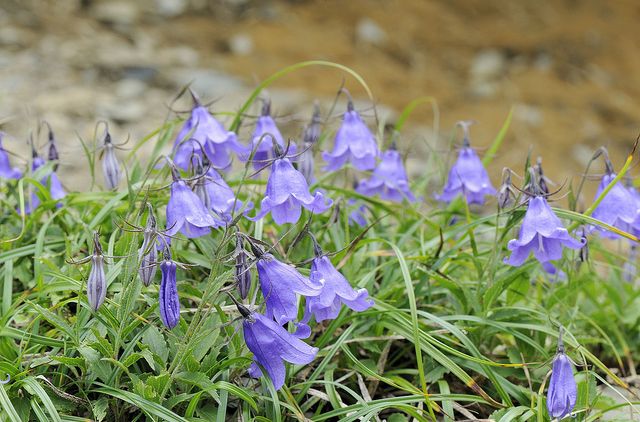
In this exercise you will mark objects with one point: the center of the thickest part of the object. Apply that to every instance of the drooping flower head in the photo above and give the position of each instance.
(110, 164)
(287, 192)
(306, 162)
(201, 135)
(6, 171)
(168, 296)
(506, 193)
(50, 181)
(272, 345)
(541, 232)
(468, 176)
(185, 211)
(354, 143)
(335, 292)
(562, 393)
(52, 148)
(265, 133)
(619, 208)
(215, 193)
(148, 252)
(388, 180)
(97, 281)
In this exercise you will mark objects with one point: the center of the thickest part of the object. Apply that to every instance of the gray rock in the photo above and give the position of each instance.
(241, 44)
(171, 8)
(205, 82)
(121, 13)
(369, 32)
(488, 64)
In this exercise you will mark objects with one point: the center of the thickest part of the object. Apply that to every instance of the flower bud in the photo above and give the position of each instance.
(97, 281)
(561, 397)
(243, 274)
(110, 165)
(148, 253)
(169, 299)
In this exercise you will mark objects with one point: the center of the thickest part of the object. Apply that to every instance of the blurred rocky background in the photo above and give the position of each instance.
(570, 69)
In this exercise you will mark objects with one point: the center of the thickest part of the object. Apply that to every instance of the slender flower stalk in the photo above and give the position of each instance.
(97, 281)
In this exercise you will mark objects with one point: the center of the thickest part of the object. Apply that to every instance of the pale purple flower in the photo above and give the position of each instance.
(541, 233)
(186, 213)
(202, 131)
(168, 296)
(264, 134)
(336, 291)
(148, 253)
(388, 180)
(110, 164)
(469, 177)
(358, 215)
(50, 181)
(287, 192)
(354, 143)
(272, 345)
(6, 171)
(619, 208)
(222, 199)
(281, 284)
(97, 281)
(562, 393)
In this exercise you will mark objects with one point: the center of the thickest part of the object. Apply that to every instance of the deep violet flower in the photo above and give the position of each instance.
(467, 176)
(281, 284)
(287, 192)
(186, 213)
(354, 142)
(264, 134)
(272, 345)
(97, 281)
(388, 180)
(168, 296)
(201, 135)
(336, 290)
(6, 171)
(619, 208)
(541, 233)
(562, 393)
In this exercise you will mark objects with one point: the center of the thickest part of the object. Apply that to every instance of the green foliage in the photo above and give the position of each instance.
(454, 332)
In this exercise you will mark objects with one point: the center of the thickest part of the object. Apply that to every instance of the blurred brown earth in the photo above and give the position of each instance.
(569, 69)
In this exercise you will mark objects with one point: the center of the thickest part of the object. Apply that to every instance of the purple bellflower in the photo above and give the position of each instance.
(201, 135)
(281, 284)
(97, 281)
(168, 296)
(272, 345)
(467, 176)
(354, 142)
(287, 192)
(562, 393)
(619, 208)
(6, 171)
(221, 198)
(541, 233)
(52, 150)
(264, 134)
(51, 180)
(388, 180)
(185, 211)
(336, 290)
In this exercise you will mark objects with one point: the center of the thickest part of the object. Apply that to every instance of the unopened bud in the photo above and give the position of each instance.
(97, 281)
(243, 274)
(110, 165)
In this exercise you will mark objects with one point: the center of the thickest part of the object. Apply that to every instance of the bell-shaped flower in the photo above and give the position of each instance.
(468, 176)
(388, 180)
(222, 199)
(541, 233)
(203, 134)
(186, 213)
(97, 281)
(354, 143)
(272, 345)
(280, 285)
(168, 296)
(6, 171)
(265, 133)
(50, 181)
(562, 393)
(336, 291)
(287, 192)
(619, 208)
